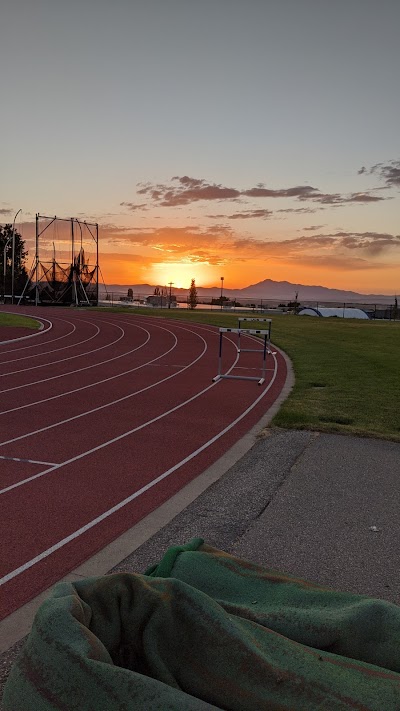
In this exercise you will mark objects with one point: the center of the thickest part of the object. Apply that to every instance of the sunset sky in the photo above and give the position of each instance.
(209, 138)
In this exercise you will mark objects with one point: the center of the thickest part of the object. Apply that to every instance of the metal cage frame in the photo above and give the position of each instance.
(74, 282)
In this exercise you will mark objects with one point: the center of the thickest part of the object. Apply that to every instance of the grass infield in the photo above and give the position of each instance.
(15, 320)
(347, 372)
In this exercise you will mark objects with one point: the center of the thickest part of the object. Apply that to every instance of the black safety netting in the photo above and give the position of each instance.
(63, 283)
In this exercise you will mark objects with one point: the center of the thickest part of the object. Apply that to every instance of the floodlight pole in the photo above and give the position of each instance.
(97, 264)
(13, 256)
(222, 289)
(4, 266)
(37, 261)
(170, 294)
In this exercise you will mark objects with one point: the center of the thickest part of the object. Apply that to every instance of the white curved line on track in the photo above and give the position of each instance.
(112, 402)
(98, 382)
(30, 461)
(102, 407)
(39, 332)
(63, 360)
(136, 494)
(45, 353)
(78, 370)
(121, 436)
(111, 377)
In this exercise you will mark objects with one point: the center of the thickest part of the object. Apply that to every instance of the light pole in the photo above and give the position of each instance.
(13, 256)
(4, 266)
(222, 289)
(170, 294)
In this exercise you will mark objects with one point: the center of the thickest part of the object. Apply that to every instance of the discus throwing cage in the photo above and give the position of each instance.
(67, 279)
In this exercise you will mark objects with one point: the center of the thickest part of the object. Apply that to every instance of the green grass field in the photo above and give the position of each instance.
(347, 371)
(15, 320)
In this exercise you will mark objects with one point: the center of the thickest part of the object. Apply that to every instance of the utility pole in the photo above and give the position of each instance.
(170, 294)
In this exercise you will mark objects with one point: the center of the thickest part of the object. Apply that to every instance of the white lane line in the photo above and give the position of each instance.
(63, 360)
(45, 353)
(112, 377)
(39, 332)
(36, 345)
(30, 461)
(113, 402)
(91, 385)
(136, 494)
(73, 372)
(124, 434)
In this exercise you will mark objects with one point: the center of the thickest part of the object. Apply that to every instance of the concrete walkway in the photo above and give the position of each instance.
(304, 503)
(324, 507)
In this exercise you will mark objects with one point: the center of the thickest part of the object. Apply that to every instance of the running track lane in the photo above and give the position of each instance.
(114, 440)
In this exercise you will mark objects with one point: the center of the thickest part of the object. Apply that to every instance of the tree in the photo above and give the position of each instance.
(20, 273)
(395, 310)
(192, 295)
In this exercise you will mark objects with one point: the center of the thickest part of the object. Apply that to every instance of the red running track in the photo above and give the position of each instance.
(103, 417)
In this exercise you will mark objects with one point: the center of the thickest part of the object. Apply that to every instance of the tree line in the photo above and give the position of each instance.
(20, 273)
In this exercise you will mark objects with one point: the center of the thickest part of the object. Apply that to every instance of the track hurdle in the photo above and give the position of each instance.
(264, 351)
(240, 330)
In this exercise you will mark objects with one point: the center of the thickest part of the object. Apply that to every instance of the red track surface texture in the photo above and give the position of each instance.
(102, 418)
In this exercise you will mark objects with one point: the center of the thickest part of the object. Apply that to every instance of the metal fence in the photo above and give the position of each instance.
(386, 311)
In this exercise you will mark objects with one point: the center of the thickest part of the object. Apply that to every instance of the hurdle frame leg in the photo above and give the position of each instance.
(218, 376)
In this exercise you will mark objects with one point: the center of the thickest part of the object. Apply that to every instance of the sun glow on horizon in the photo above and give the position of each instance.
(181, 273)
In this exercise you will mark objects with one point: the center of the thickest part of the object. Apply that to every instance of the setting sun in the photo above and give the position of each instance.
(181, 274)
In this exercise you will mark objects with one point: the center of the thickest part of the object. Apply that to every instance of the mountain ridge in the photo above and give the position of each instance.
(266, 289)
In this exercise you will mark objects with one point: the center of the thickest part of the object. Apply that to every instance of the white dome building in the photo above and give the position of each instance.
(346, 312)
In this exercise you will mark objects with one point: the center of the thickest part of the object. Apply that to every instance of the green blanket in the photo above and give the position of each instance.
(205, 630)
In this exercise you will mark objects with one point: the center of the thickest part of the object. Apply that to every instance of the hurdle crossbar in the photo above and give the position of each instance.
(256, 319)
(264, 351)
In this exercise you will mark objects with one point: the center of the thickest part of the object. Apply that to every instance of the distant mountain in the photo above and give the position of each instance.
(267, 289)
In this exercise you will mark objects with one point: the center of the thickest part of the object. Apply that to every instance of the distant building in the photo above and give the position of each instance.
(325, 312)
(161, 301)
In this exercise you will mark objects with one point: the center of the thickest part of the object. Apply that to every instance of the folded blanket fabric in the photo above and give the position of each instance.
(205, 630)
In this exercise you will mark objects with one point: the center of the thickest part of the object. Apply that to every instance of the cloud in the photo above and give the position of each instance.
(182, 241)
(302, 210)
(333, 246)
(5, 211)
(373, 243)
(246, 214)
(301, 191)
(388, 172)
(220, 245)
(186, 190)
(312, 228)
(338, 199)
(133, 206)
(349, 264)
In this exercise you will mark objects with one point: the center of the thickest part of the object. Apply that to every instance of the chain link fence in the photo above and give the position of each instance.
(388, 311)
